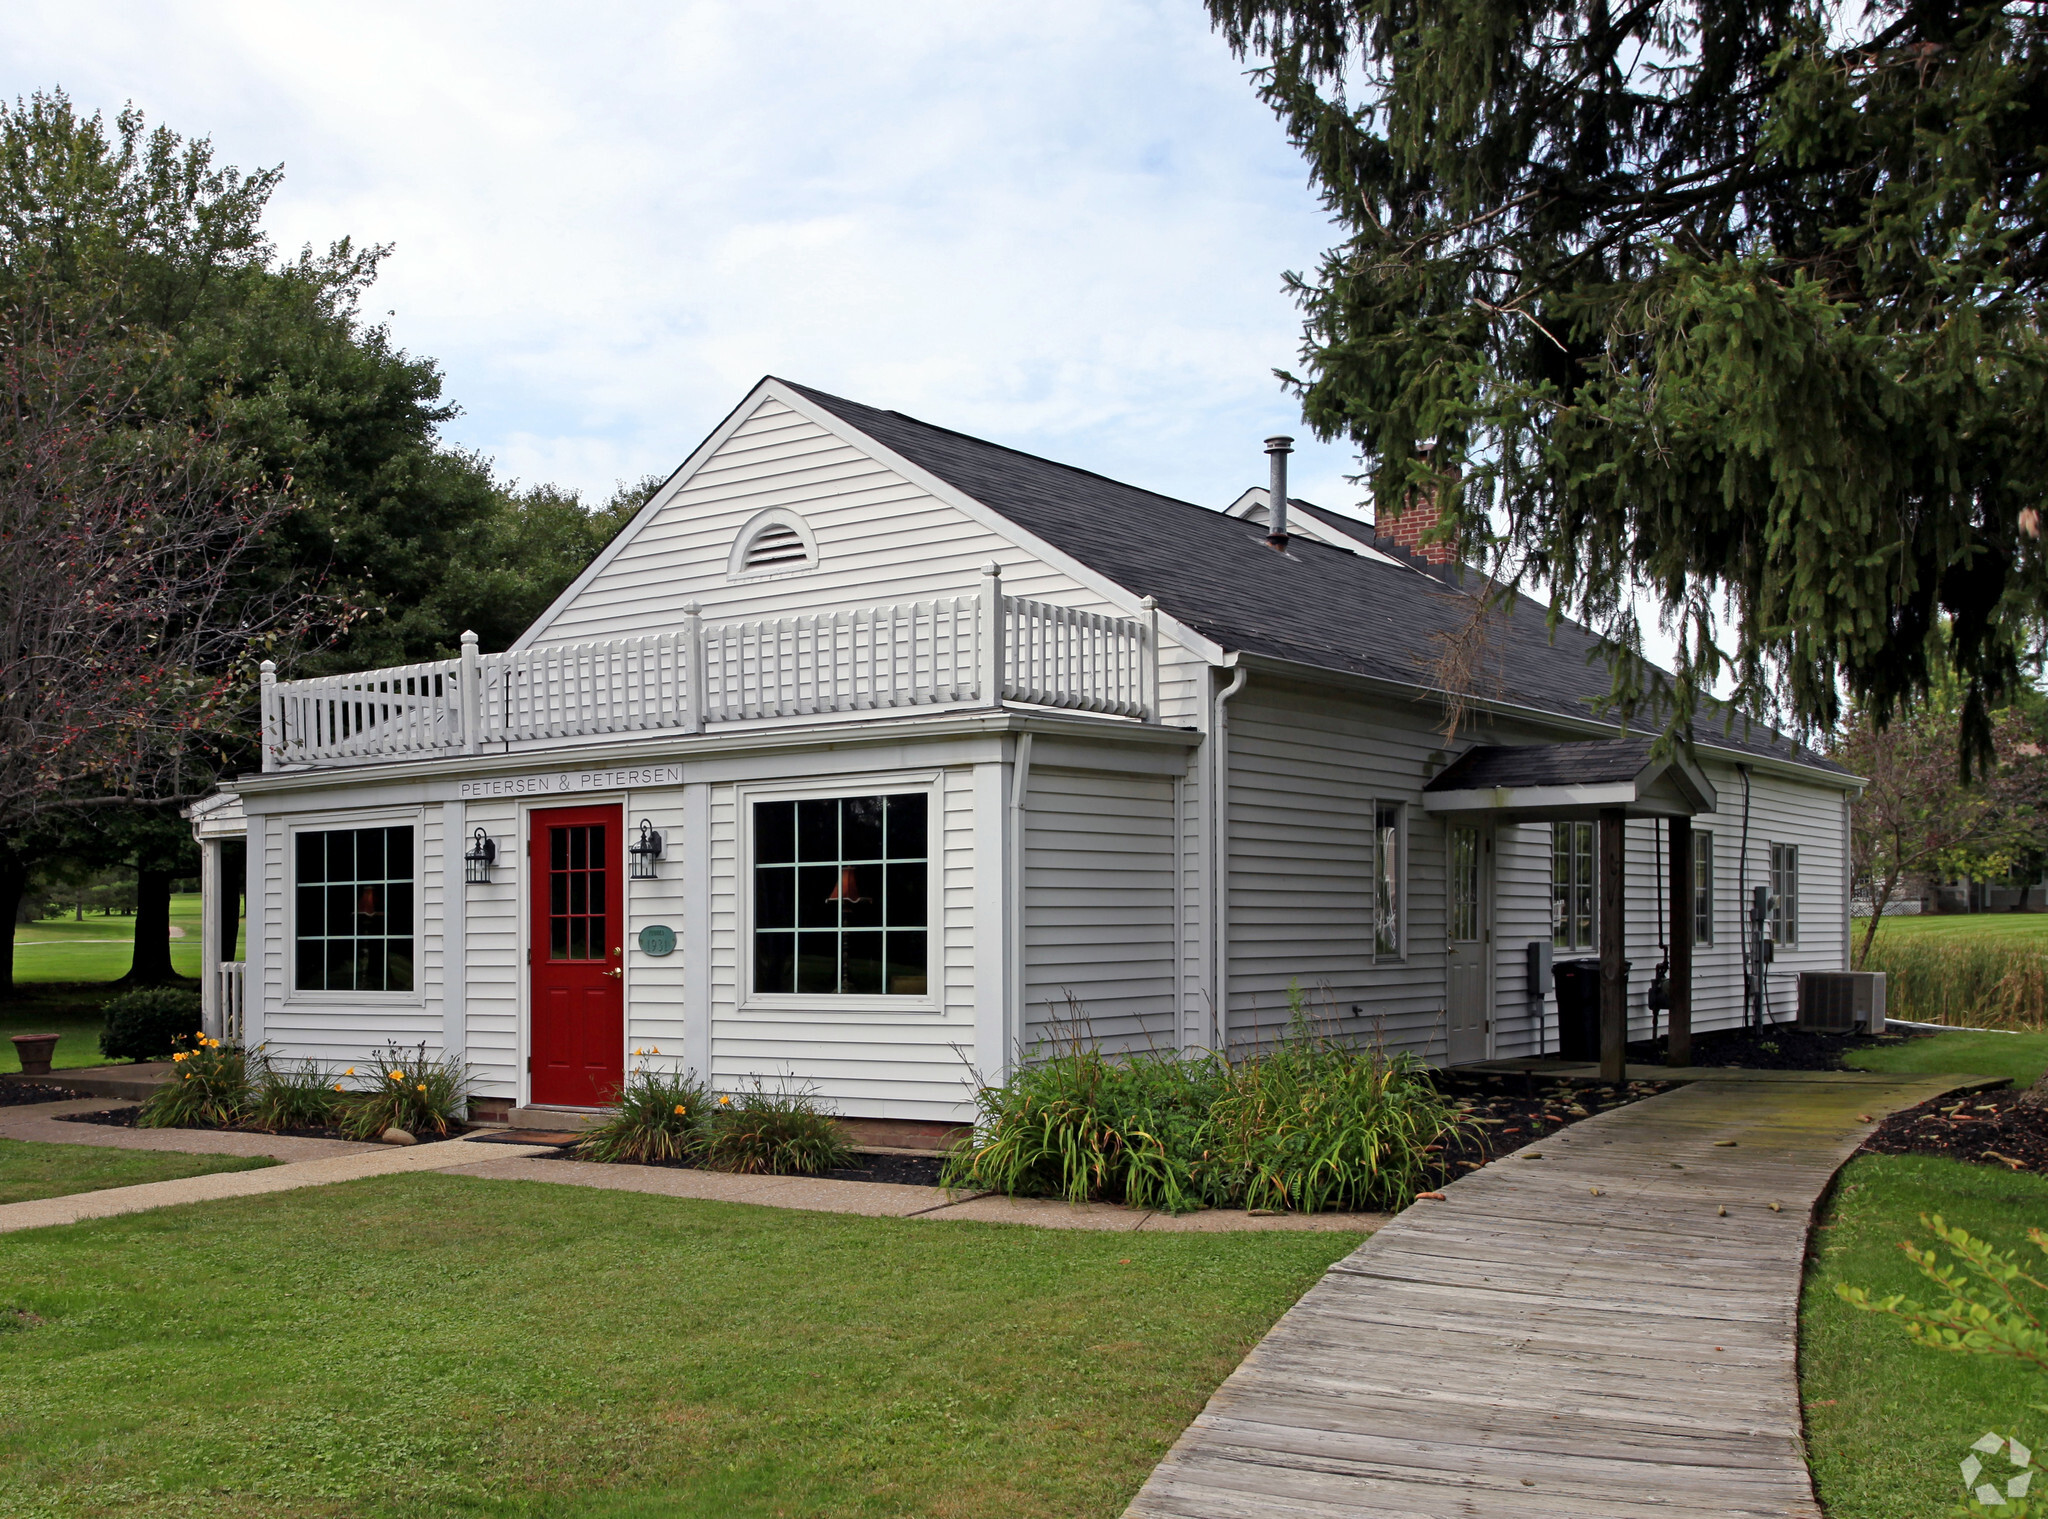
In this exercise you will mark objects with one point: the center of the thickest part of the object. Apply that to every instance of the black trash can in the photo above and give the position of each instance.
(1578, 1006)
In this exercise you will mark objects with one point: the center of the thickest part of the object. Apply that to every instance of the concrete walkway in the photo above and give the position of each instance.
(1600, 1326)
(368, 1160)
(889, 1200)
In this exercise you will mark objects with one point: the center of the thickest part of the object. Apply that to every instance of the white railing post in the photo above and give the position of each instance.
(1148, 662)
(694, 693)
(470, 690)
(268, 725)
(990, 682)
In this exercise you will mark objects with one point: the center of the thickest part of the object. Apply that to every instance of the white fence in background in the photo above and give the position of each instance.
(952, 651)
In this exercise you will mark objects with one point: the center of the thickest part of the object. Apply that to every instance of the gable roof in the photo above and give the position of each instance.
(1379, 616)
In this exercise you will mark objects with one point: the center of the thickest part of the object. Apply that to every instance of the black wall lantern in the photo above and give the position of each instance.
(645, 850)
(477, 863)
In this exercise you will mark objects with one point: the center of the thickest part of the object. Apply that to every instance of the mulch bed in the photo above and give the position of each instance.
(1507, 1112)
(124, 1118)
(900, 1170)
(1779, 1047)
(1989, 1128)
(19, 1094)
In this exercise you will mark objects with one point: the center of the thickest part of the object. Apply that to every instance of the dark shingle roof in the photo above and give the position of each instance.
(1593, 763)
(1316, 604)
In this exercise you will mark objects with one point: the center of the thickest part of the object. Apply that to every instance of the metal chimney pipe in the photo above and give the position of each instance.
(1277, 450)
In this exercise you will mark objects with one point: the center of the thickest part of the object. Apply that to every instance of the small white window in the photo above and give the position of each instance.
(1785, 893)
(776, 542)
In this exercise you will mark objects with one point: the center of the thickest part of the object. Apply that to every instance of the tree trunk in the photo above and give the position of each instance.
(13, 883)
(152, 965)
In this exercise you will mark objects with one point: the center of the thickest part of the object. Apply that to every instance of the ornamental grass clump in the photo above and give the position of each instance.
(1311, 1125)
(784, 1132)
(406, 1090)
(656, 1117)
(1080, 1124)
(304, 1096)
(210, 1088)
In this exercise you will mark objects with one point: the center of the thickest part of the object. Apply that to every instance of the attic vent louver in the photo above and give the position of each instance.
(776, 547)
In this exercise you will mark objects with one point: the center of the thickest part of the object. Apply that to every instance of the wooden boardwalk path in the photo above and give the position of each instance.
(1603, 1324)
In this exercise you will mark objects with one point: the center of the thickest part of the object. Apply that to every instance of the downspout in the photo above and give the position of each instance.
(1219, 863)
(1020, 783)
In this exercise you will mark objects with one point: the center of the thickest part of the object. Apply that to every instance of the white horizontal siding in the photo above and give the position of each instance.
(1098, 909)
(494, 975)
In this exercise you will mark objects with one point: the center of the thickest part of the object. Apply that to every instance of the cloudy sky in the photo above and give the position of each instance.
(1058, 225)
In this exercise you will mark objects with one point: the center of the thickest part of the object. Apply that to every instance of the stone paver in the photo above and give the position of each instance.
(370, 1160)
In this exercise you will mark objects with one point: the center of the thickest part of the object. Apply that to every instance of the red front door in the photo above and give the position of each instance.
(578, 957)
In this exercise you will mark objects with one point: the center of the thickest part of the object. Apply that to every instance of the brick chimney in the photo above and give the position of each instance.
(1417, 517)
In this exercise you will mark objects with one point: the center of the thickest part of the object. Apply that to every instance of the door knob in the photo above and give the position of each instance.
(616, 973)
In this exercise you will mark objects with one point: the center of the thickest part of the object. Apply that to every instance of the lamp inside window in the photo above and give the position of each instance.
(643, 852)
(483, 853)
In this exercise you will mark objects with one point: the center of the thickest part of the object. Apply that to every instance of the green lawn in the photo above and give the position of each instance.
(2022, 1057)
(2031, 927)
(98, 948)
(431, 1346)
(1887, 1422)
(32, 1169)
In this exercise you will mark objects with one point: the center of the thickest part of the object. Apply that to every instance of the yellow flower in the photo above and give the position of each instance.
(337, 1086)
(423, 1086)
(398, 1075)
(654, 1049)
(179, 1056)
(725, 1102)
(680, 1110)
(350, 1071)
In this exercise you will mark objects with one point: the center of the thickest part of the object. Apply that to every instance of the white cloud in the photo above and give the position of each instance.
(1060, 226)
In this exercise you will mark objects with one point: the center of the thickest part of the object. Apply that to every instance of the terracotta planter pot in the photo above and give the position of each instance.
(35, 1051)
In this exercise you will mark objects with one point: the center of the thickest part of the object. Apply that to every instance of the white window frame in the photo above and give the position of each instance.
(1592, 943)
(775, 516)
(932, 1002)
(345, 822)
(1703, 858)
(1398, 955)
(1780, 918)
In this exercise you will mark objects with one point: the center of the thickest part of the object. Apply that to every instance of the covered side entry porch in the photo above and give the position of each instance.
(1605, 782)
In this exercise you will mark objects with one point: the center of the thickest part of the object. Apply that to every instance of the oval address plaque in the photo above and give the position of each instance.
(657, 939)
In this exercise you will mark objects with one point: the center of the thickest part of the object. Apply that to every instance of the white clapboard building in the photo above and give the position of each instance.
(871, 754)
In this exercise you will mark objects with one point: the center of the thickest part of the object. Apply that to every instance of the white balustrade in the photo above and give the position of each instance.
(383, 714)
(230, 986)
(1063, 657)
(943, 652)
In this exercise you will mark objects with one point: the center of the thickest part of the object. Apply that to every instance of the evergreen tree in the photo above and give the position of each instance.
(1737, 306)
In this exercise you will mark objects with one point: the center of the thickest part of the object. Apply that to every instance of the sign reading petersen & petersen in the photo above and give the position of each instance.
(564, 781)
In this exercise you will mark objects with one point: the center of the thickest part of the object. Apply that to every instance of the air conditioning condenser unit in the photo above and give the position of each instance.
(1841, 1001)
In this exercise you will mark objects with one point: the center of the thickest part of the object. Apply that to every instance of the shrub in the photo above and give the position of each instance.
(786, 1132)
(1311, 1125)
(211, 1088)
(303, 1098)
(658, 1116)
(149, 1023)
(409, 1091)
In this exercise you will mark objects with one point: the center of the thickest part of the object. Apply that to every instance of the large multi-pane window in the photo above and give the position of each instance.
(1702, 887)
(1386, 907)
(1571, 885)
(1785, 893)
(354, 911)
(840, 896)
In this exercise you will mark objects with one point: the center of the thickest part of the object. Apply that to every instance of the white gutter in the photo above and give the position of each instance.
(1219, 863)
(1020, 785)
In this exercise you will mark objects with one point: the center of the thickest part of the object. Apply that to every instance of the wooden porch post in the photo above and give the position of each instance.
(1613, 946)
(1682, 889)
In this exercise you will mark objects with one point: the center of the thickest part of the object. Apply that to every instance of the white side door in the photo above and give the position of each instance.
(1468, 975)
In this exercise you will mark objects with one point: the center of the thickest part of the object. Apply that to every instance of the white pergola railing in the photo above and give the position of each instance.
(951, 651)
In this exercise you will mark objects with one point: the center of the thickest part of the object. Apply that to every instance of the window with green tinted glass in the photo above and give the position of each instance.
(841, 896)
(1571, 885)
(354, 908)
